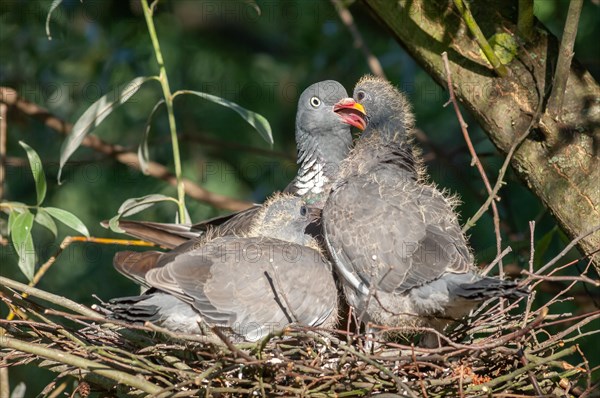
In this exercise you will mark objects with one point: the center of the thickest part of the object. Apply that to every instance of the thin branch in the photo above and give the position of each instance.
(525, 19)
(168, 96)
(500, 181)
(465, 12)
(119, 153)
(486, 182)
(487, 269)
(581, 278)
(62, 301)
(201, 138)
(359, 42)
(80, 363)
(565, 55)
(3, 116)
(4, 382)
(63, 245)
(568, 247)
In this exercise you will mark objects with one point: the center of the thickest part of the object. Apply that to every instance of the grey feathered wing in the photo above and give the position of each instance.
(392, 233)
(251, 285)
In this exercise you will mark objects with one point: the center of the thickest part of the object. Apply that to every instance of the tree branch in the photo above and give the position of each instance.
(10, 97)
(359, 42)
(565, 55)
(81, 363)
(477, 163)
(560, 165)
(465, 12)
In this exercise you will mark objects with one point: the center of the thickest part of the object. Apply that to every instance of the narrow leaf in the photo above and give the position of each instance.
(135, 205)
(12, 216)
(259, 122)
(53, 6)
(94, 115)
(37, 169)
(23, 244)
(21, 227)
(27, 257)
(69, 219)
(8, 207)
(143, 155)
(113, 224)
(43, 218)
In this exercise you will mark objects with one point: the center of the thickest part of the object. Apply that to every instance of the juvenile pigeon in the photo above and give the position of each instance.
(323, 140)
(394, 238)
(249, 285)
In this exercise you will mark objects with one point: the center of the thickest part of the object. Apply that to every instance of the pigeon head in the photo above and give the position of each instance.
(319, 131)
(286, 217)
(387, 110)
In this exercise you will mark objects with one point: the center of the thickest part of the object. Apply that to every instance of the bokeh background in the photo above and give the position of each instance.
(261, 55)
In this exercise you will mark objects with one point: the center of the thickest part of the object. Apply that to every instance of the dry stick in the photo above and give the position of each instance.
(581, 278)
(568, 247)
(565, 55)
(119, 153)
(487, 269)
(201, 138)
(64, 244)
(3, 115)
(486, 182)
(348, 20)
(500, 181)
(81, 363)
(529, 366)
(4, 381)
(236, 351)
(35, 292)
(531, 375)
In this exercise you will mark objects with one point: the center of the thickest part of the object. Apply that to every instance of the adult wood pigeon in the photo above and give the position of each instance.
(395, 238)
(248, 285)
(323, 141)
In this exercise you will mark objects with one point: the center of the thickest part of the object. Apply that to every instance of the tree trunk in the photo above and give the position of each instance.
(559, 159)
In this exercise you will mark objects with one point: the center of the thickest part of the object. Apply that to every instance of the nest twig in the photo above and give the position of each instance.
(507, 348)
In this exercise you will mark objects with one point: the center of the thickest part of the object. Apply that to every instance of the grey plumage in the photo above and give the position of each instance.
(394, 238)
(323, 141)
(248, 285)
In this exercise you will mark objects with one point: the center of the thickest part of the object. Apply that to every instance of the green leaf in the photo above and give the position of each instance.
(27, 257)
(37, 169)
(8, 207)
(259, 122)
(143, 155)
(69, 219)
(53, 6)
(95, 114)
(12, 216)
(23, 244)
(135, 205)
(504, 45)
(43, 218)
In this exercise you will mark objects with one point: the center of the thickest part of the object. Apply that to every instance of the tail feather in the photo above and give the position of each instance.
(166, 235)
(135, 265)
(132, 309)
(489, 287)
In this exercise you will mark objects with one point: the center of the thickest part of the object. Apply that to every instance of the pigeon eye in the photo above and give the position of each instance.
(315, 102)
(360, 95)
(303, 211)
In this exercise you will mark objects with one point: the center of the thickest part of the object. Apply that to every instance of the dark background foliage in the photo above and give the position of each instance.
(263, 62)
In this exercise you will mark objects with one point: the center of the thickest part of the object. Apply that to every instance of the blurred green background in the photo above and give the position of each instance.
(261, 61)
